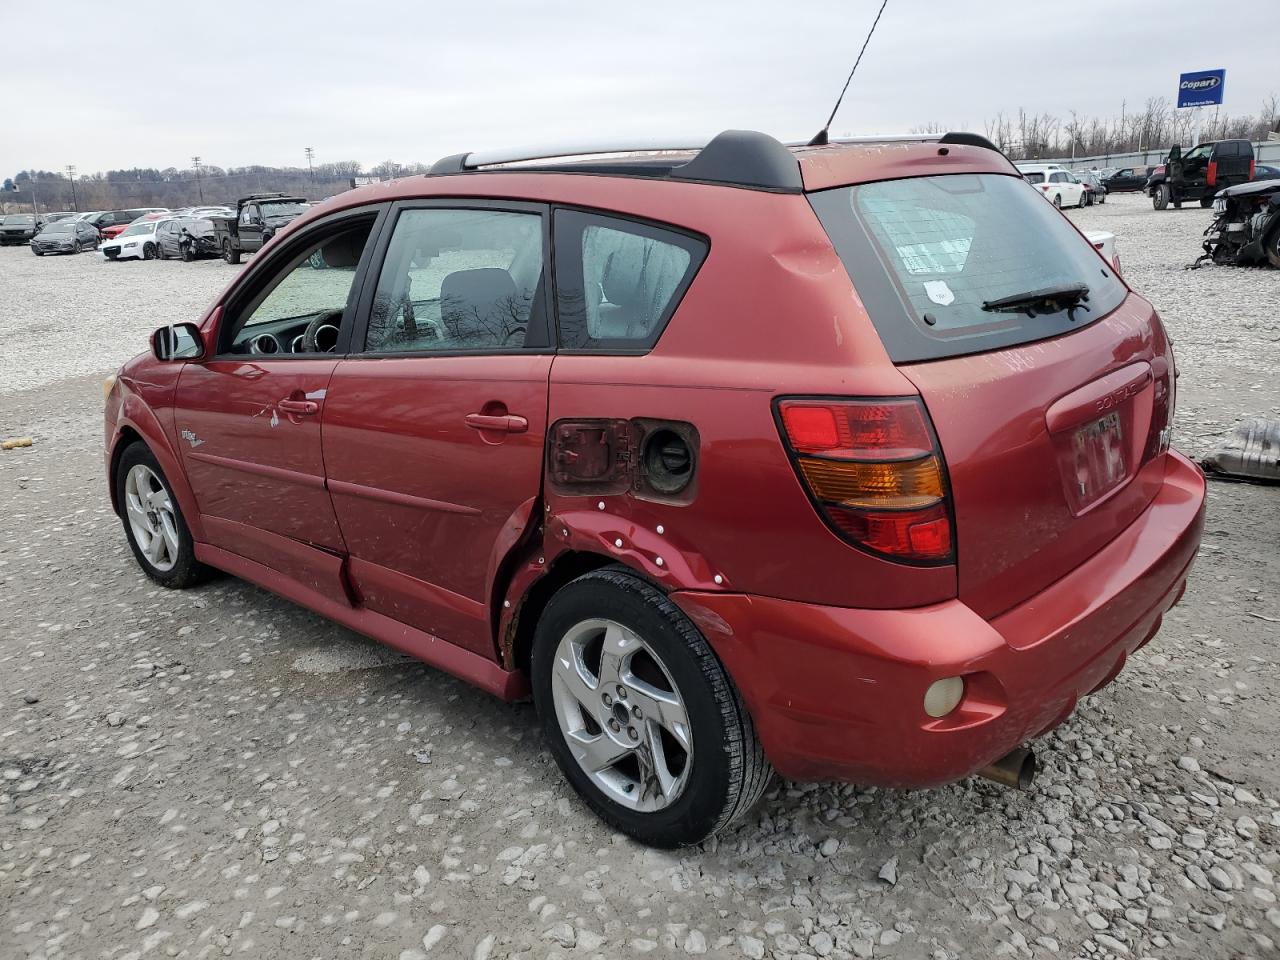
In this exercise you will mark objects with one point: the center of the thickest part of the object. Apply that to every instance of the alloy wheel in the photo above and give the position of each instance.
(621, 715)
(149, 508)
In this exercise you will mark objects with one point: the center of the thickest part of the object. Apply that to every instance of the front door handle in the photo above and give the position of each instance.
(506, 423)
(299, 407)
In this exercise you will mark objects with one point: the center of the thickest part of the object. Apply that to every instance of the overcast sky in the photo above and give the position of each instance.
(111, 85)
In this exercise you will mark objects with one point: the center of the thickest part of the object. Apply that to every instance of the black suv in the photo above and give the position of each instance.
(1200, 173)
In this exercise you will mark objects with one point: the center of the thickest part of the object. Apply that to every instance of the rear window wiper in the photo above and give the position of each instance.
(1046, 300)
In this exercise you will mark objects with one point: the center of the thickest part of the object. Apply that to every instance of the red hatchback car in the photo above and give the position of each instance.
(850, 461)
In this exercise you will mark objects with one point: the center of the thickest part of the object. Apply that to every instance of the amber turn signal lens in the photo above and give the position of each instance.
(107, 386)
(895, 485)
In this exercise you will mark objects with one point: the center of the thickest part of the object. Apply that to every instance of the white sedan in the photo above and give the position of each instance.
(137, 241)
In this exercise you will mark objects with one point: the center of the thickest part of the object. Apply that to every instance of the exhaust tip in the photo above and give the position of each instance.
(1016, 769)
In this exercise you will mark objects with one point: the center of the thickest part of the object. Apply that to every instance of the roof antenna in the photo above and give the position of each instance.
(820, 138)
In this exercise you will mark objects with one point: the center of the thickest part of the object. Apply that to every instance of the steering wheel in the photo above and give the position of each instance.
(330, 318)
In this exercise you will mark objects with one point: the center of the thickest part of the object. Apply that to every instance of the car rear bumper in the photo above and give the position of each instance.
(837, 693)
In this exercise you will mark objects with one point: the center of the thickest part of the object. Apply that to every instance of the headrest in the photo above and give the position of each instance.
(344, 250)
(480, 288)
(622, 277)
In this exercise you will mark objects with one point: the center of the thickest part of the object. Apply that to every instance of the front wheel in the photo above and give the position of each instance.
(185, 253)
(1206, 200)
(1160, 196)
(153, 521)
(148, 251)
(639, 713)
(229, 253)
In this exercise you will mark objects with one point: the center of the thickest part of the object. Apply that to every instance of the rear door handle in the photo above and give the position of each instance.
(300, 407)
(505, 424)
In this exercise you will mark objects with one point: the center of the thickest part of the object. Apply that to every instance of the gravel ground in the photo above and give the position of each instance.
(220, 772)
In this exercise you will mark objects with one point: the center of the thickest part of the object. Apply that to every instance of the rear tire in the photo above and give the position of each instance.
(1160, 196)
(153, 522)
(602, 642)
(1272, 246)
(1057, 201)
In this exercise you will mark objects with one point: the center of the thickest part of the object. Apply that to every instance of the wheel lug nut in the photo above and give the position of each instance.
(622, 692)
(614, 726)
(608, 700)
(635, 712)
(635, 735)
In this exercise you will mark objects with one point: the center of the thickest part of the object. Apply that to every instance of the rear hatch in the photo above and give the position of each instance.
(1048, 383)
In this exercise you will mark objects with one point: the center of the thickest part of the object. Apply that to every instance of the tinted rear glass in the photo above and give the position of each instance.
(926, 253)
(1034, 176)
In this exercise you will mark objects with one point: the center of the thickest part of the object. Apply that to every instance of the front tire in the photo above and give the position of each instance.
(1160, 196)
(185, 253)
(148, 251)
(230, 254)
(153, 522)
(1207, 200)
(639, 713)
(1084, 200)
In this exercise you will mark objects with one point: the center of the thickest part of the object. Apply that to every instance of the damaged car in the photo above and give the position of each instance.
(850, 460)
(1246, 225)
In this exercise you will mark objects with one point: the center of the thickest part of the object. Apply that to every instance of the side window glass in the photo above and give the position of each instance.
(619, 281)
(248, 214)
(460, 281)
(299, 310)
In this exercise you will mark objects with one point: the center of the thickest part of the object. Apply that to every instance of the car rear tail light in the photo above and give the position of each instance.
(874, 472)
(1163, 407)
(1211, 175)
(1253, 168)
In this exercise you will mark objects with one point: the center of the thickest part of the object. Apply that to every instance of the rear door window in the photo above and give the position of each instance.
(461, 281)
(927, 253)
(619, 281)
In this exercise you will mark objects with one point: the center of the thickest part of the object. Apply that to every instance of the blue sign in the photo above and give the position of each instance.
(1202, 88)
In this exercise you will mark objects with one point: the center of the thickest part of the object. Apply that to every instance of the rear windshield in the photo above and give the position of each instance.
(1034, 176)
(926, 253)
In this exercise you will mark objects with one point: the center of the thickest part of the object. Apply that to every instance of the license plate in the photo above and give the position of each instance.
(1099, 458)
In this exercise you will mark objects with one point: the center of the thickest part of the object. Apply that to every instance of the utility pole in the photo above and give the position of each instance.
(195, 162)
(71, 174)
(310, 169)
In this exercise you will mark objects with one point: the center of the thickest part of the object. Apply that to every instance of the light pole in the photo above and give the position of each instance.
(71, 174)
(311, 153)
(195, 162)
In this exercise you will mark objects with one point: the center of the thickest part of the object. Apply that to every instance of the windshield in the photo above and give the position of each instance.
(16, 218)
(60, 227)
(134, 229)
(282, 209)
(926, 253)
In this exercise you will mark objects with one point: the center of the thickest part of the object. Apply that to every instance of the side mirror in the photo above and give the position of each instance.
(178, 341)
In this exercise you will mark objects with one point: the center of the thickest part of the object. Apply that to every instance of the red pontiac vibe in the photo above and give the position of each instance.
(848, 461)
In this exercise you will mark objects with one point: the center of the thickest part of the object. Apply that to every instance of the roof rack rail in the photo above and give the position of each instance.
(741, 158)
